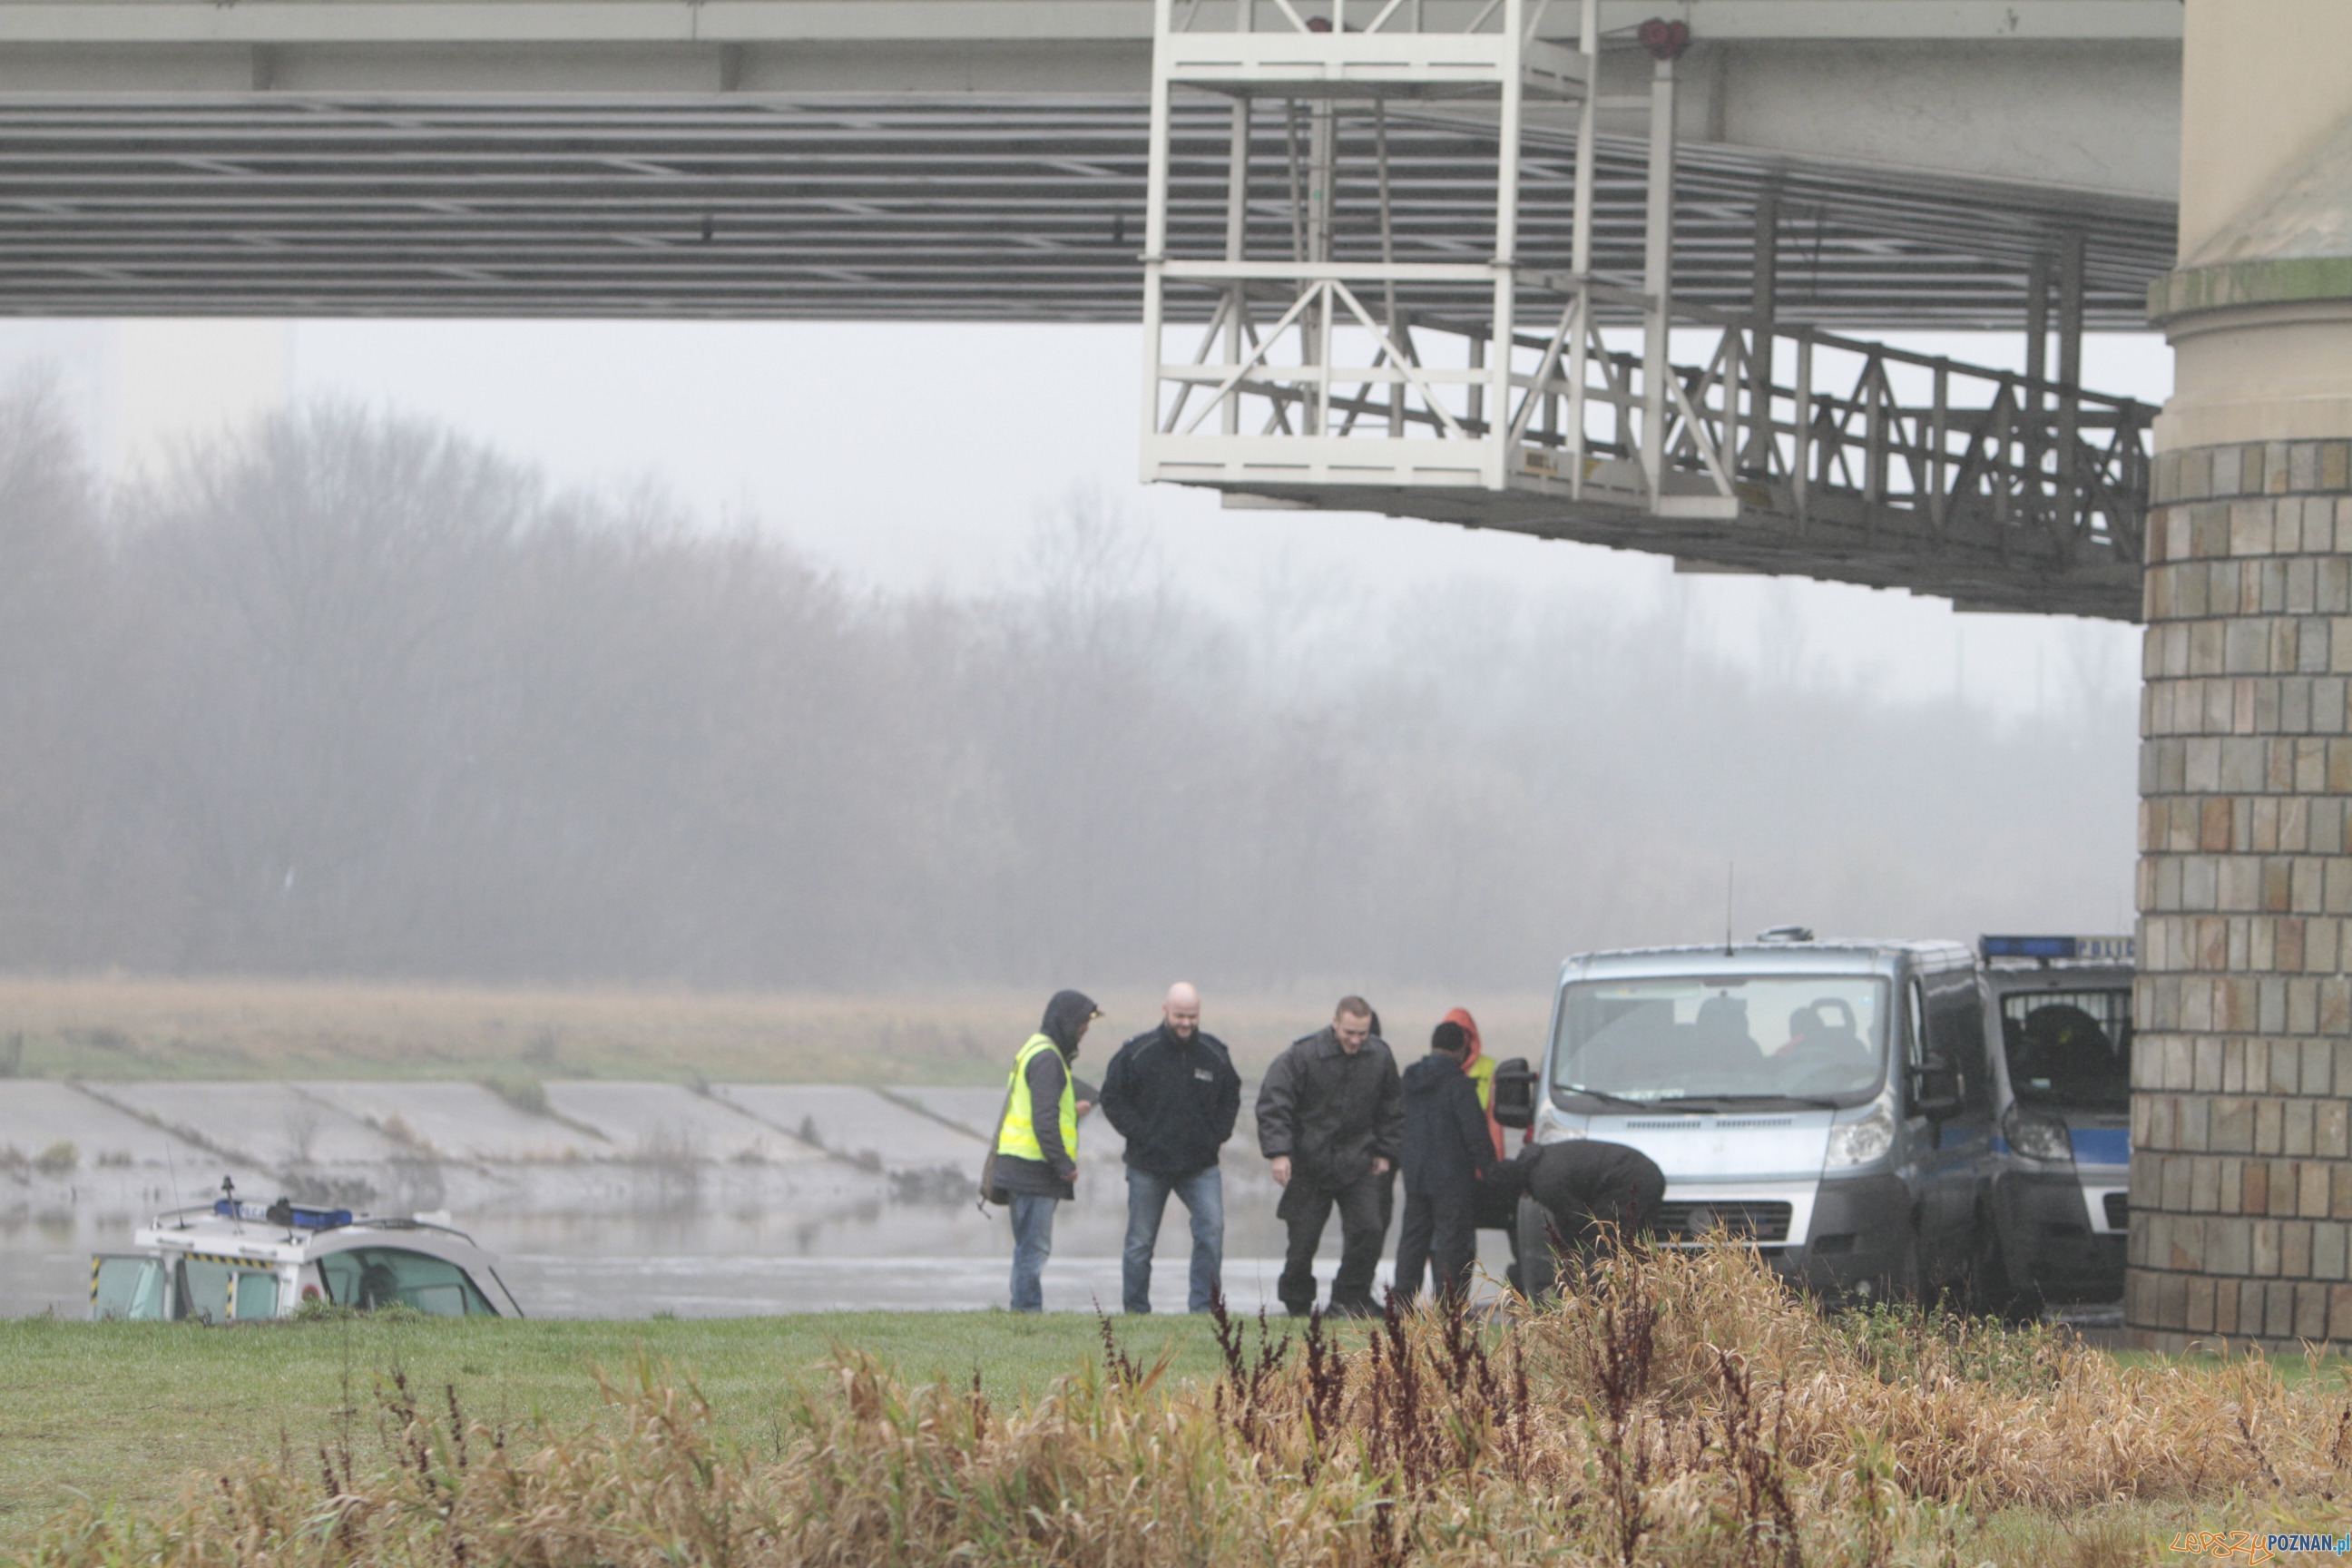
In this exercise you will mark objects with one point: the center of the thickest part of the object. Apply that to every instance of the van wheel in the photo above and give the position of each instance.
(1539, 1268)
(1906, 1281)
(1991, 1291)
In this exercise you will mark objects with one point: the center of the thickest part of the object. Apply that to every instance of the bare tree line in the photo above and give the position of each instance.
(352, 695)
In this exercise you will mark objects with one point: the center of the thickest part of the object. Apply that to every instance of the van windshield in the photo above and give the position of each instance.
(2069, 1049)
(1734, 1036)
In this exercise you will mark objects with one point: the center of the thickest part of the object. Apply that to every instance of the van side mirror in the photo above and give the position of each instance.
(1514, 1093)
(1936, 1090)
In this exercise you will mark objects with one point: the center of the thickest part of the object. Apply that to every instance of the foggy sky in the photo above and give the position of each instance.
(342, 693)
(909, 457)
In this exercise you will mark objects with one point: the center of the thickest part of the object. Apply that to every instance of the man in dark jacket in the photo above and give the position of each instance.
(1330, 1118)
(1173, 1095)
(1448, 1152)
(1037, 1145)
(1596, 1194)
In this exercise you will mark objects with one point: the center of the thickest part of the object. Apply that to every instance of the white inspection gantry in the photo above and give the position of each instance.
(1338, 354)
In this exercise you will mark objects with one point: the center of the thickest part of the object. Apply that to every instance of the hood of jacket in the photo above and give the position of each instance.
(1469, 1026)
(1066, 1015)
(1430, 1074)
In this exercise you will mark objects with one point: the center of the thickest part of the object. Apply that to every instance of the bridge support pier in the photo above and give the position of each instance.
(2241, 1115)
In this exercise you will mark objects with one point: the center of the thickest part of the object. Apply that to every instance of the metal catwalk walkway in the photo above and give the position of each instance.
(1313, 362)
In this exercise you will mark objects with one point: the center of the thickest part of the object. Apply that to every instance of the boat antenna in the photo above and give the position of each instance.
(1730, 881)
(172, 1166)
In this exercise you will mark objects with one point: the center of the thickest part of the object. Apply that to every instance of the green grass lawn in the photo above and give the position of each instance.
(132, 1410)
(137, 1411)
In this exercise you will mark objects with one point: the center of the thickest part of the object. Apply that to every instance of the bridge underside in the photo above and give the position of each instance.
(935, 207)
(1391, 258)
(1977, 564)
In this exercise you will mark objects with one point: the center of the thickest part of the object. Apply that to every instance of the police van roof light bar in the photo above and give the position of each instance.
(2109, 949)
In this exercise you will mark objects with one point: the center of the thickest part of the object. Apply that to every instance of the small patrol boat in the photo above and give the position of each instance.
(236, 1262)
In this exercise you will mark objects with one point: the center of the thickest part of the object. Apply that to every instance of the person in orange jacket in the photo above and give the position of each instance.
(1480, 1067)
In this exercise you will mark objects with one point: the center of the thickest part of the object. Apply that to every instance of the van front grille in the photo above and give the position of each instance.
(1693, 1220)
(1710, 1123)
(2118, 1211)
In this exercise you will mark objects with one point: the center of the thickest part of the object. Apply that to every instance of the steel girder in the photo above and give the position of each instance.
(940, 207)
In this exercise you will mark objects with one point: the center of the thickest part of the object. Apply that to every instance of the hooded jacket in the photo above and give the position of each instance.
(1330, 1112)
(1054, 1176)
(1481, 1069)
(1446, 1149)
(1173, 1101)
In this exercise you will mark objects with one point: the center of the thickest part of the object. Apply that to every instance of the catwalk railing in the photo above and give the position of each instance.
(1337, 385)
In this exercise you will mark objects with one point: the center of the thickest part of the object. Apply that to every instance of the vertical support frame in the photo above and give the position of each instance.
(2069, 513)
(1657, 278)
(1237, 236)
(1155, 223)
(1588, 41)
(1335, 358)
(1502, 443)
(1764, 312)
(2037, 373)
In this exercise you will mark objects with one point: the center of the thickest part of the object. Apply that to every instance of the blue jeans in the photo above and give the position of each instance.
(1032, 1243)
(1203, 1195)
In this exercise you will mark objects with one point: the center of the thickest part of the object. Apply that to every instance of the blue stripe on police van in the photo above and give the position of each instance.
(2102, 1145)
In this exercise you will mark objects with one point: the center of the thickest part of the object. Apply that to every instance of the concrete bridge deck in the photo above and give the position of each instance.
(984, 158)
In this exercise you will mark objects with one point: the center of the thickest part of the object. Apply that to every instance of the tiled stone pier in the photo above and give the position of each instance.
(2242, 1157)
(2242, 1174)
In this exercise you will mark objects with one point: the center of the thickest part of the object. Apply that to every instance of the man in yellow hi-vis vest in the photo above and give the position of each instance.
(1037, 1147)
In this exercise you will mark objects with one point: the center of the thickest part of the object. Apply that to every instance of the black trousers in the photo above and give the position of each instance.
(1440, 1231)
(1362, 1228)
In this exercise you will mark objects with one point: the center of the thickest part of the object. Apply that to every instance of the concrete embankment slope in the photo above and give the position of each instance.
(602, 1198)
(393, 1146)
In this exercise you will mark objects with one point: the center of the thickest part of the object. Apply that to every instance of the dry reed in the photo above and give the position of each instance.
(1674, 1408)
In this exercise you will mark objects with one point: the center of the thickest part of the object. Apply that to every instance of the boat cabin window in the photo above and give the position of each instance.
(1723, 1038)
(2069, 1049)
(372, 1276)
(226, 1293)
(131, 1287)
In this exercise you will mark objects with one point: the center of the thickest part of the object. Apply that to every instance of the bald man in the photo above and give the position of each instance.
(1173, 1094)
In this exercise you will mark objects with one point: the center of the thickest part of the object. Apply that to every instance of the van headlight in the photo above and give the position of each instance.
(1862, 1139)
(2037, 1137)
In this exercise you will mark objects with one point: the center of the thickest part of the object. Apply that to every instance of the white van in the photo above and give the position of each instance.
(1827, 1103)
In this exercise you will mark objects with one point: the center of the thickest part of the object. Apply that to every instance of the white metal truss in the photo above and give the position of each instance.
(1339, 370)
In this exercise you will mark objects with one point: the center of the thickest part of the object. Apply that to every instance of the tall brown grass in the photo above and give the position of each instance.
(1670, 1409)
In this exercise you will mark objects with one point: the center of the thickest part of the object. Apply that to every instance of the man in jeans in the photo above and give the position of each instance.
(1173, 1094)
(1037, 1145)
(1330, 1119)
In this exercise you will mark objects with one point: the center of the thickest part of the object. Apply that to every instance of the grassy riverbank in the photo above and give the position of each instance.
(1686, 1411)
(131, 1410)
(115, 1028)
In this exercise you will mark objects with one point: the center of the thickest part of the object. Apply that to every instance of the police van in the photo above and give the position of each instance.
(237, 1262)
(1828, 1103)
(2058, 1175)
